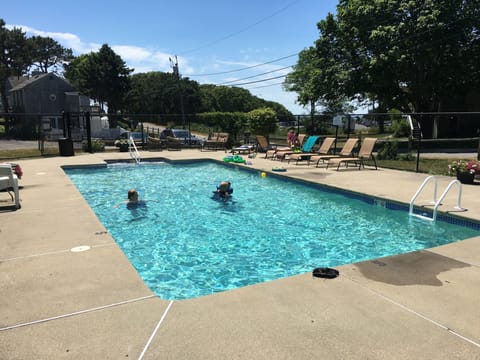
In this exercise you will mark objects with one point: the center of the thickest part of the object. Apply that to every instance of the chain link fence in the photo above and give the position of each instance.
(63, 133)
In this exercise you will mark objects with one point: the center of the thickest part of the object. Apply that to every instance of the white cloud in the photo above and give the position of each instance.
(139, 58)
(132, 53)
(67, 40)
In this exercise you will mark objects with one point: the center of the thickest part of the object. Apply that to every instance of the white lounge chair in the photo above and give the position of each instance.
(9, 182)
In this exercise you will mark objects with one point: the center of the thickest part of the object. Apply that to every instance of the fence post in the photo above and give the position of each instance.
(419, 142)
(89, 132)
(478, 152)
(41, 135)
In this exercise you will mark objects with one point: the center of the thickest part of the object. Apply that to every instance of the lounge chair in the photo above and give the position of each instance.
(280, 151)
(305, 151)
(270, 149)
(365, 153)
(173, 143)
(347, 151)
(9, 183)
(217, 141)
(324, 149)
(263, 145)
(155, 143)
(243, 149)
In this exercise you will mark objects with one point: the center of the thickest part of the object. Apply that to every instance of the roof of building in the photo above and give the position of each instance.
(14, 81)
(33, 79)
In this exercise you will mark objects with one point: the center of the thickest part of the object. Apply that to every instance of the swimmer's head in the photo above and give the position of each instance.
(224, 186)
(132, 195)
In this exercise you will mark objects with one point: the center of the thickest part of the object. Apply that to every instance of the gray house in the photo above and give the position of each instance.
(40, 94)
(47, 96)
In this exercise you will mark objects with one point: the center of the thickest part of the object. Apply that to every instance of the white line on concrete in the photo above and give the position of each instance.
(49, 253)
(155, 330)
(76, 313)
(453, 332)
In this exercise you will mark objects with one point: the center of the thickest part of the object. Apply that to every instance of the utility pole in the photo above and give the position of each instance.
(174, 65)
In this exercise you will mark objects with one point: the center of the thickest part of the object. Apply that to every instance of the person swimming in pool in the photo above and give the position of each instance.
(224, 190)
(132, 201)
(132, 196)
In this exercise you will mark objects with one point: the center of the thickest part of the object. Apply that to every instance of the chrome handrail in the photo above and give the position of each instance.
(434, 201)
(135, 155)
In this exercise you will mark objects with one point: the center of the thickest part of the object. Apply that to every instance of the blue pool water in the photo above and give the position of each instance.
(185, 245)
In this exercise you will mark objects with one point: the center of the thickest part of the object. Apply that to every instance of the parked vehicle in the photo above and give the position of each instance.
(185, 137)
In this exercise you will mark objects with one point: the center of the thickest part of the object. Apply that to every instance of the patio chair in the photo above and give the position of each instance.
(263, 145)
(217, 141)
(9, 183)
(243, 149)
(305, 150)
(324, 149)
(347, 151)
(173, 143)
(281, 152)
(155, 143)
(365, 153)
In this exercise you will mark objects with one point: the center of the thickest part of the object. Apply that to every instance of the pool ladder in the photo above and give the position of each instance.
(436, 203)
(132, 149)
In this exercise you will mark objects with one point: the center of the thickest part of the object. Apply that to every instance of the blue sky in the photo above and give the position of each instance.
(211, 38)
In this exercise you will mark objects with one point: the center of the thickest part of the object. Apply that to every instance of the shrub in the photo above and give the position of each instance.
(97, 145)
(400, 128)
(389, 151)
(262, 121)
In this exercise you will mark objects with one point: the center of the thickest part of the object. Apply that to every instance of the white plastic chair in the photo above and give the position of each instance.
(9, 181)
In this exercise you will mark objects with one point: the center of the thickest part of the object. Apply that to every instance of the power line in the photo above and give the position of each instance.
(264, 86)
(248, 67)
(241, 30)
(253, 76)
(263, 80)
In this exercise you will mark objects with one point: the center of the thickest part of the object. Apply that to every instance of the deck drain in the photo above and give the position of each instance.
(80, 248)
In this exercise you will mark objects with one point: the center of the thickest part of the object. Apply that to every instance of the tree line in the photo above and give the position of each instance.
(104, 77)
(412, 56)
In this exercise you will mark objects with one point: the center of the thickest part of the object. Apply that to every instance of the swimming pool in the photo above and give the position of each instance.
(184, 244)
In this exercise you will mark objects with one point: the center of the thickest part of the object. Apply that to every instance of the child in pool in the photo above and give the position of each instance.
(224, 189)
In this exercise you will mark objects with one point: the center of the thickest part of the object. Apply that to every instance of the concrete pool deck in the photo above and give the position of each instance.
(56, 303)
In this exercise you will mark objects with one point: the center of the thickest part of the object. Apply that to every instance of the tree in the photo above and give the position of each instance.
(409, 55)
(72, 71)
(235, 99)
(159, 93)
(262, 121)
(318, 77)
(227, 99)
(303, 78)
(47, 53)
(412, 55)
(101, 75)
(14, 57)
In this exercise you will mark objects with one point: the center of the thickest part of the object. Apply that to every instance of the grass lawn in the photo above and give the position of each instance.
(6, 155)
(428, 166)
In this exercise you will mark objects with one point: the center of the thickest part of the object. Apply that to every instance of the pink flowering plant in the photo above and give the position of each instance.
(462, 166)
